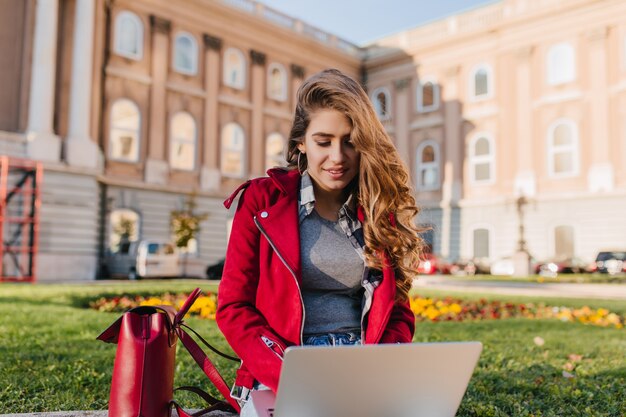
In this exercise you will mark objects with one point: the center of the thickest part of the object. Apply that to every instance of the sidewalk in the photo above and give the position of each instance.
(564, 290)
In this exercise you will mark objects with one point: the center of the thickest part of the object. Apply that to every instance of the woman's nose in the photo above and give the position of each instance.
(336, 153)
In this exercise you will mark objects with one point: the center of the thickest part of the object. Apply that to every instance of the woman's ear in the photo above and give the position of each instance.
(301, 147)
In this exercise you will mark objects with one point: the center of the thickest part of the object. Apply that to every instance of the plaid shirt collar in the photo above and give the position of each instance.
(348, 221)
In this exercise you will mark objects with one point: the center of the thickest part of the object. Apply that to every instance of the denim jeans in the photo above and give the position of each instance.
(329, 339)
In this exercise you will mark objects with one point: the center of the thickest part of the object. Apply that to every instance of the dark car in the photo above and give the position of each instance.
(610, 262)
(216, 270)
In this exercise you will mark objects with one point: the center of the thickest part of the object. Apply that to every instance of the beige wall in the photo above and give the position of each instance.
(513, 37)
(250, 107)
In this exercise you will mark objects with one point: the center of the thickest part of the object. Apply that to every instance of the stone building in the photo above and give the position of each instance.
(520, 101)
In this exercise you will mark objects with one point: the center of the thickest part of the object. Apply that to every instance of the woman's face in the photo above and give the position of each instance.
(332, 161)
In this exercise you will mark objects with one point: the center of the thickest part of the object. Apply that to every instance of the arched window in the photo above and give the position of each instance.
(564, 242)
(185, 56)
(123, 229)
(183, 139)
(481, 82)
(124, 133)
(560, 64)
(427, 96)
(381, 98)
(277, 82)
(482, 160)
(128, 35)
(427, 166)
(563, 149)
(234, 69)
(233, 151)
(274, 151)
(480, 243)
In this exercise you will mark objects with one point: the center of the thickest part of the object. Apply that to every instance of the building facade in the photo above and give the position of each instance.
(510, 112)
(152, 102)
(516, 105)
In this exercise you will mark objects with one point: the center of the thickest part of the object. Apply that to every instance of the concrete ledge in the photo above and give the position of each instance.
(102, 413)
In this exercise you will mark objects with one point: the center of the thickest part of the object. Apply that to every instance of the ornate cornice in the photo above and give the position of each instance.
(212, 42)
(158, 24)
(257, 57)
(297, 71)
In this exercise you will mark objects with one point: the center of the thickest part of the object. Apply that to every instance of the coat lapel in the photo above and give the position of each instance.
(279, 221)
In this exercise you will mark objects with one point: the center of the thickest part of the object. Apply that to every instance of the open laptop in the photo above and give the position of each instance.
(402, 380)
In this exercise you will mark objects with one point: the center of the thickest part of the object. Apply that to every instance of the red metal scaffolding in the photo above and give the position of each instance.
(20, 202)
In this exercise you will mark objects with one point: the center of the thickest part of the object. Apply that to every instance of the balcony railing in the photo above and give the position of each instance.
(298, 26)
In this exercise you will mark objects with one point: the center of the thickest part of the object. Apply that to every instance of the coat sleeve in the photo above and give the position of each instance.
(401, 325)
(244, 327)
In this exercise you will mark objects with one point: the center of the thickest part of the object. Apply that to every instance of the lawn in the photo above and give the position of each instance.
(50, 360)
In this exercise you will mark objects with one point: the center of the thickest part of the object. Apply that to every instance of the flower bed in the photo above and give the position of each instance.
(204, 307)
(456, 309)
(425, 309)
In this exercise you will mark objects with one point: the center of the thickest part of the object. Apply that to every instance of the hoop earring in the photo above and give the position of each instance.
(299, 170)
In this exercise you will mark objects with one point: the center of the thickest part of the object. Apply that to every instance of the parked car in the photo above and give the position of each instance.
(503, 266)
(470, 266)
(215, 270)
(610, 262)
(562, 265)
(143, 259)
(432, 264)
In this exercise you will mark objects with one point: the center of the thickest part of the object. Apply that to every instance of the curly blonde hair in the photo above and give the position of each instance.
(384, 189)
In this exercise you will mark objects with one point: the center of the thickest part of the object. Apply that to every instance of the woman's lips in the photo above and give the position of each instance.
(336, 173)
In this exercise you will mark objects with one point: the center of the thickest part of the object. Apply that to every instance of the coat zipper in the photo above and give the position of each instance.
(275, 347)
(256, 221)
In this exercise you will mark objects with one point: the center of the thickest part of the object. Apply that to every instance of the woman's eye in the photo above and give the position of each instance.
(323, 144)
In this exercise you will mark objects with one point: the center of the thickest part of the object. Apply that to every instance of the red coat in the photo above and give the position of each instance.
(260, 308)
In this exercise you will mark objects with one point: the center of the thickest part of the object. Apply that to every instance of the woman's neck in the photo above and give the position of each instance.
(328, 203)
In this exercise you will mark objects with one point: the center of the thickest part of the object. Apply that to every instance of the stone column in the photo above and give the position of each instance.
(80, 150)
(452, 163)
(601, 176)
(209, 173)
(297, 78)
(257, 140)
(400, 114)
(43, 144)
(525, 182)
(157, 168)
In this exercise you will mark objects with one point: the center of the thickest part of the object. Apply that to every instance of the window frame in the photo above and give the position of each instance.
(241, 85)
(194, 53)
(374, 98)
(474, 159)
(136, 236)
(553, 238)
(551, 59)
(472, 83)
(118, 48)
(244, 153)
(112, 127)
(575, 149)
(284, 82)
(275, 158)
(490, 240)
(175, 140)
(419, 95)
(420, 165)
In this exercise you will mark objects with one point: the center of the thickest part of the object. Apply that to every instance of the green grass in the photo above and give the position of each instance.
(50, 360)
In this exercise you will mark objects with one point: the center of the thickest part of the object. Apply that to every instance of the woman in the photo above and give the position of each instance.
(324, 252)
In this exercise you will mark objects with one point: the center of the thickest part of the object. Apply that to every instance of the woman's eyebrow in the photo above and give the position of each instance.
(323, 134)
